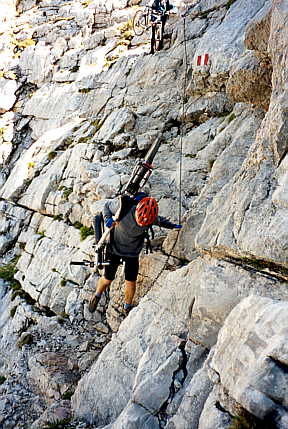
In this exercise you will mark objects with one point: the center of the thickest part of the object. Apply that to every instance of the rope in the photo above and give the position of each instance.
(183, 116)
(181, 148)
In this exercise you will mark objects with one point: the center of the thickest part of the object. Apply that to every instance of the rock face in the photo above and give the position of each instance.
(253, 363)
(80, 102)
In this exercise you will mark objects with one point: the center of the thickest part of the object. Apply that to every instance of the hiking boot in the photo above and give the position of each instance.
(93, 302)
(127, 310)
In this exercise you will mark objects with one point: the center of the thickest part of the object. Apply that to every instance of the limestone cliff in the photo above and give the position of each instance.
(81, 100)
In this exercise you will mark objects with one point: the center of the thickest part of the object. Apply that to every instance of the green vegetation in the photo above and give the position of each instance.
(31, 164)
(204, 14)
(185, 99)
(86, 3)
(67, 142)
(84, 139)
(58, 217)
(52, 155)
(61, 320)
(77, 225)
(22, 43)
(210, 164)
(63, 282)
(190, 155)
(15, 287)
(240, 423)
(126, 27)
(97, 124)
(62, 18)
(276, 270)
(7, 273)
(23, 295)
(66, 192)
(229, 3)
(27, 339)
(85, 231)
(13, 311)
(110, 61)
(125, 37)
(74, 69)
(64, 315)
(68, 394)
(231, 117)
(2, 379)
(222, 114)
(126, 33)
(25, 43)
(84, 90)
(42, 234)
(59, 424)
(248, 421)
(10, 75)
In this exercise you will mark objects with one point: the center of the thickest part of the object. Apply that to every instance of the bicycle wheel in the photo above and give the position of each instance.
(159, 37)
(98, 226)
(139, 22)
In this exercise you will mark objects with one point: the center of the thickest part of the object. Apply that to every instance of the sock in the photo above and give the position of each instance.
(127, 306)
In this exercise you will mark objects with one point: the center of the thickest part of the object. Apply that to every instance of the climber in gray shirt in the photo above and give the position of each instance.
(126, 243)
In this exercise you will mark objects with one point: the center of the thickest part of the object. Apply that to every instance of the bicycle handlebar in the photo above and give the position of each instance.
(90, 264)
(85, 263)
(156, 12)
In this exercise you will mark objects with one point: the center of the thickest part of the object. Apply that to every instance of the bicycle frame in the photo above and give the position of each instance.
(139, 177)
(146, 14)
(158, 16)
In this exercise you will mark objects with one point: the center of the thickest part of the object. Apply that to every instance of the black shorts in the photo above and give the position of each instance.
(131, 267)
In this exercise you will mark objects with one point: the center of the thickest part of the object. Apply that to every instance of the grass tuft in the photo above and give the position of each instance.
(59, 424)
(85, 232)
(229, 3)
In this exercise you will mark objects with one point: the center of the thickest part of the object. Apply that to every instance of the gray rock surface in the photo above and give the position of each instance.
(252, 363)
(81, 102)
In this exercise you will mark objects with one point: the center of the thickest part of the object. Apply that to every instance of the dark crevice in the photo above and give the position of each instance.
(222, 409)
(47, 311)
(248, 421)
(241, 418)
(281, 365)
(268, 269)
(260, 266)
(16, 204)
(161, 415)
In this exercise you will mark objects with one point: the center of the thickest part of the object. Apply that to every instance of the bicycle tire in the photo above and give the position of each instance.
(158, 37)
(98, 227)
(139, 22)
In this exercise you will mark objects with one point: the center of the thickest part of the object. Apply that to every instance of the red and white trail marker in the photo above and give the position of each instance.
(202, 60)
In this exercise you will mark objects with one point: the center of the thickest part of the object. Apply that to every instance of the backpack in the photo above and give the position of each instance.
(126, 204)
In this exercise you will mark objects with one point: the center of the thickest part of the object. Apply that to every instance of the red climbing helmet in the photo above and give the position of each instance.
(146, 211)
